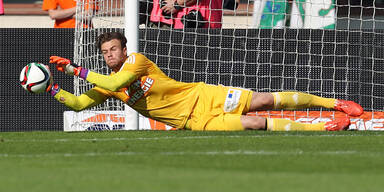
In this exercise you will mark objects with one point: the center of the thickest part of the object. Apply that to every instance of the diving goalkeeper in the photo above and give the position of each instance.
(140, 83)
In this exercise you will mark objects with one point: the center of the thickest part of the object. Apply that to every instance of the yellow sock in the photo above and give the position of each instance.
(288, 125)
(299, 100)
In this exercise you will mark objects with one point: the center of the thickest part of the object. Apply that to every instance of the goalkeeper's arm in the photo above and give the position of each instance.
(111, 83)
(77, 103)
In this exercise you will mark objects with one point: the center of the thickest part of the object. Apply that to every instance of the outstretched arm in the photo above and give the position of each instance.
(108, 82)
(86, 100)
(112, 82)
(78, 103)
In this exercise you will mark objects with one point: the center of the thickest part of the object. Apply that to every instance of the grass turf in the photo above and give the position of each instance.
(192, 161)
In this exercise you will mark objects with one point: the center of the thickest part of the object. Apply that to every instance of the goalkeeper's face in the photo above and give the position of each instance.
(114, 54)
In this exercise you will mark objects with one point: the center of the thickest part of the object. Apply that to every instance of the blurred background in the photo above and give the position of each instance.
(351, 14)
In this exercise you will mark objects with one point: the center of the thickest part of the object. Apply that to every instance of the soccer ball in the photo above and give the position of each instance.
(35, 77)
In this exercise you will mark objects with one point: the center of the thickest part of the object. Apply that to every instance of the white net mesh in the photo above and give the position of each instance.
(323, 47)
(104, 16)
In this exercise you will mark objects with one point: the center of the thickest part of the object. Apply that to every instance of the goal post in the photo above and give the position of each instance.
(324, 47)
(131, 26)
(103, 16)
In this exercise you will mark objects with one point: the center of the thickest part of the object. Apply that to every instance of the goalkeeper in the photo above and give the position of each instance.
(140, 83)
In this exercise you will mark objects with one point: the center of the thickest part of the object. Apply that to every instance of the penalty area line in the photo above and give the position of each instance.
(163, 138)
(193, 153)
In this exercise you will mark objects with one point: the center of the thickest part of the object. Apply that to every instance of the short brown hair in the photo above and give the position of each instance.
(110, 36)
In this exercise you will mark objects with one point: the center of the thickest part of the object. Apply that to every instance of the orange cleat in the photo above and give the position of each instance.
(349, 107)
(338, 124)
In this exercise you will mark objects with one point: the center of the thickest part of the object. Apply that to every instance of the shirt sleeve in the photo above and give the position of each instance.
(112, 82)
(86, 100)
(49, 4)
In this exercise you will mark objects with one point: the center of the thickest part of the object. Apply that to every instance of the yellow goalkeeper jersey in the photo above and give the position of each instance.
(143, 86)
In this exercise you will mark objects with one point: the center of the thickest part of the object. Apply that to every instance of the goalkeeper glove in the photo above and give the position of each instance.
(65, 65)
(53, 88)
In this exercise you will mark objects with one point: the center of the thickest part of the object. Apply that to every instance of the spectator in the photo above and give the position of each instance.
(1, 8)
(145, 11)
(64, 12)
(231, 4)
(314, 14)
(187, 13)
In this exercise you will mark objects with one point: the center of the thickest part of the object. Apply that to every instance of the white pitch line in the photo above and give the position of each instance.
(123, 138)
(171, 153)
(166, 137)
(112, 139)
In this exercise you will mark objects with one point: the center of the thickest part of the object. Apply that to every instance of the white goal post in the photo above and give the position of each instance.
(103, 16)
(324, 47)
(131, 26)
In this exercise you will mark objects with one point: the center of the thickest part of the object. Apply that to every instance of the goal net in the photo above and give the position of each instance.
(324, 47)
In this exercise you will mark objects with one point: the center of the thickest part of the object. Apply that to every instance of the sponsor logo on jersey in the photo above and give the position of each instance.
(232, 100)
(138, 90)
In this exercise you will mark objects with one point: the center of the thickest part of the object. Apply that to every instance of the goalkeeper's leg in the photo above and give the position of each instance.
(272, 124)
(298, 100)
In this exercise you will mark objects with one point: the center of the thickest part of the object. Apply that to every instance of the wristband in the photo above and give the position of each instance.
(83, 73)
(54, 89)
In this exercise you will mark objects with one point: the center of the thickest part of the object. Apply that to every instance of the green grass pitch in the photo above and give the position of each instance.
(180, 161)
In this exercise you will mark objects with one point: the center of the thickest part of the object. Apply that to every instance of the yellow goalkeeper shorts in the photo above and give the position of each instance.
(219, 108)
